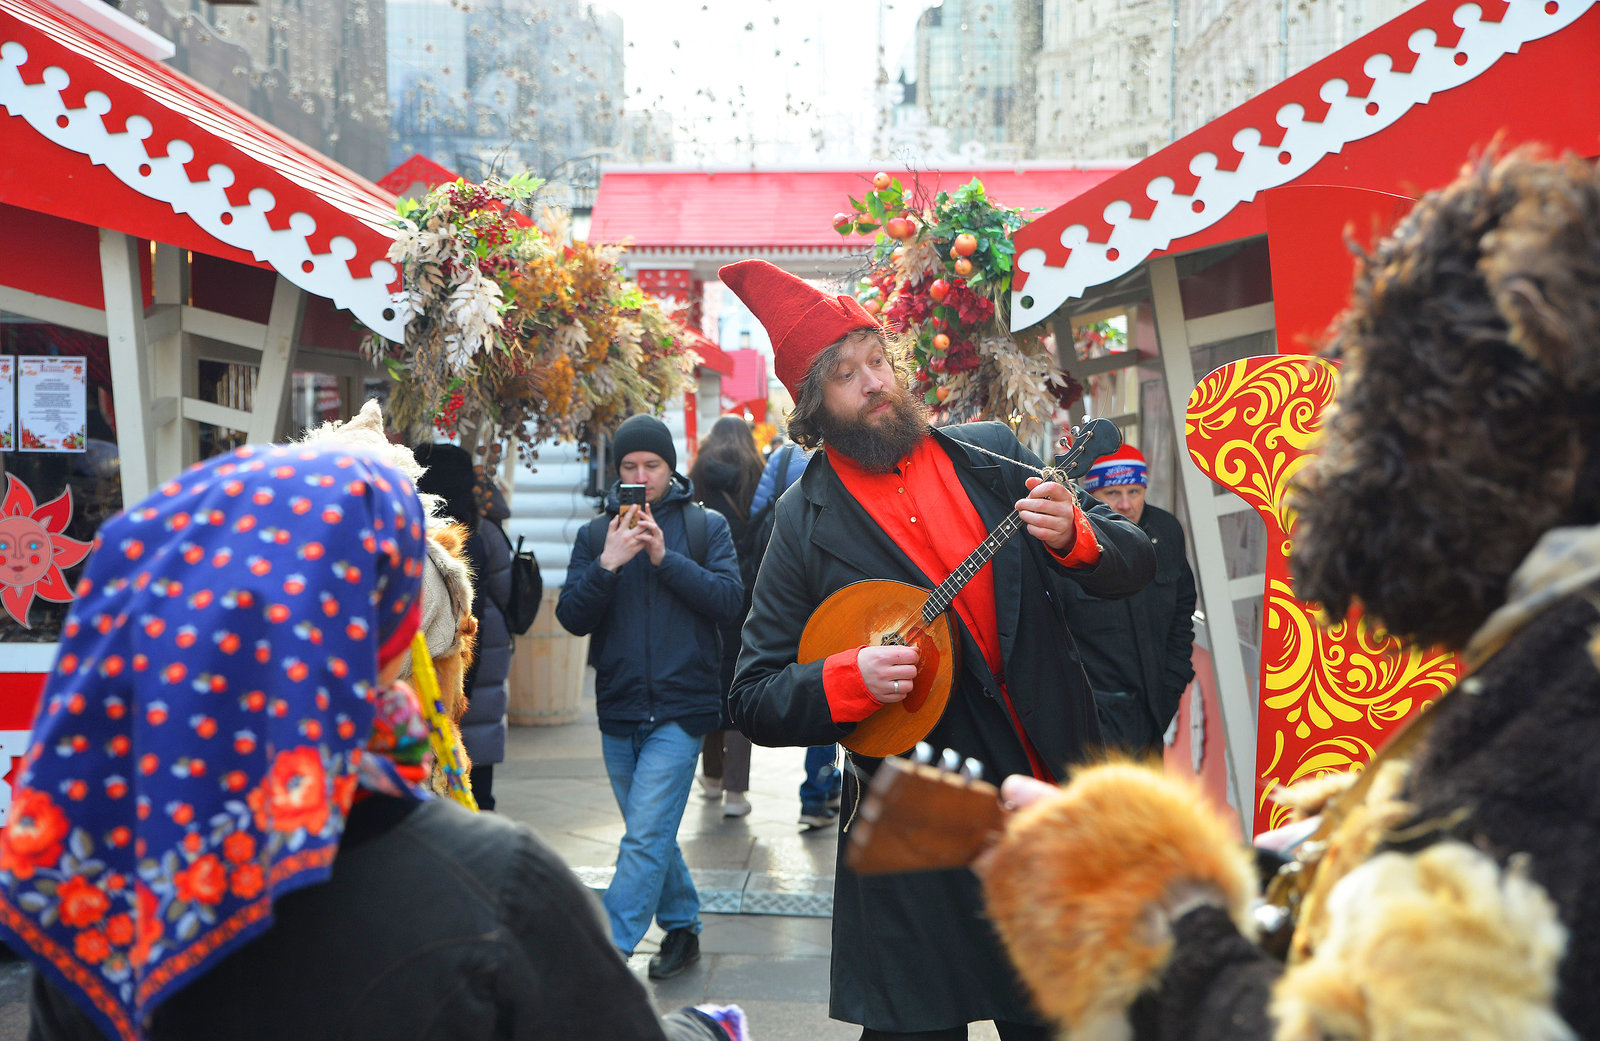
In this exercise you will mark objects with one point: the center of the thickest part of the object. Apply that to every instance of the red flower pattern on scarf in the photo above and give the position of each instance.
(294, 794)
(33, 838)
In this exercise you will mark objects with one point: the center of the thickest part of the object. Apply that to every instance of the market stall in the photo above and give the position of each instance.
(1230, 244)
(169, 262)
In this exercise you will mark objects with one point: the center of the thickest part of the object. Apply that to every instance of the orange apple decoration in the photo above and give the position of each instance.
(900, 228)
(965, 244)
(963, 267)
(939, 290)
(871, 305)
(842, 221)
(941, 393)
(880, 181)
(941, 342)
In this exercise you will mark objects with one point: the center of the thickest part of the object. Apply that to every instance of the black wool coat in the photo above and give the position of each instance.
(914, 952)
(436, 923)
(1137, 650)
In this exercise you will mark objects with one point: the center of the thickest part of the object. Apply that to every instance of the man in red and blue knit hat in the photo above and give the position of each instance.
(1137, 651)
(888, 497)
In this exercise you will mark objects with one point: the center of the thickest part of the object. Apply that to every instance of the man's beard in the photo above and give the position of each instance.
(877, 448)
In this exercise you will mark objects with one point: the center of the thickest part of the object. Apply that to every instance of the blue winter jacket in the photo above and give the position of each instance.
(654, 628)
(767, 488)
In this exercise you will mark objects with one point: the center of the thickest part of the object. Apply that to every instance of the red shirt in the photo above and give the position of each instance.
(909, 503)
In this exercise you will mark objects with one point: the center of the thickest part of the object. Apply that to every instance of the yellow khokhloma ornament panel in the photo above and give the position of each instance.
(1329, 696)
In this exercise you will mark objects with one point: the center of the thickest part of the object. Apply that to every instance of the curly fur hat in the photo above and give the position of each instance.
(1469, 408)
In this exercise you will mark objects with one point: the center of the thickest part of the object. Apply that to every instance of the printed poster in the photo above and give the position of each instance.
(8, 403)
(52, 403)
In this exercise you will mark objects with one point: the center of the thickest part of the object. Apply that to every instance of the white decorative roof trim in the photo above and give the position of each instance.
(1132, 240)
(205, 202)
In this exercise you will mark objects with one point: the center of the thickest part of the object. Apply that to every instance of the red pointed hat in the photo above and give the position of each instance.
(800, 319)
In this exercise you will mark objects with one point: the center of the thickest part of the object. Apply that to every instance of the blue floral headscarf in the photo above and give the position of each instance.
(200, 740)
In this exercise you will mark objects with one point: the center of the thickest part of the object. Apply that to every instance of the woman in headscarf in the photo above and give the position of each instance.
(724, 475)
(222, 829)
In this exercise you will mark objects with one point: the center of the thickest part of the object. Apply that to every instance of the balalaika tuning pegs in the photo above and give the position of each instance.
(923, 753)
(950, 761)
(972, 770)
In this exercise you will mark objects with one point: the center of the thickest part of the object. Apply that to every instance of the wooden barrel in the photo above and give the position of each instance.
(546, 671)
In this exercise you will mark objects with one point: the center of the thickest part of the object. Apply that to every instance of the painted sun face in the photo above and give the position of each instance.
(26, 555)
(33, 551)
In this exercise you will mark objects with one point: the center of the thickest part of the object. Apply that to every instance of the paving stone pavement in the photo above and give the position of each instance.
(767, 887)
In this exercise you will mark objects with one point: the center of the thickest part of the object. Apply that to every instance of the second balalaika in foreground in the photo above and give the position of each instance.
(883, 612)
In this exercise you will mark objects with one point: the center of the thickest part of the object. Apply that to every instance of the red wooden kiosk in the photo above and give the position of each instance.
(151, 226)
(1231, 242)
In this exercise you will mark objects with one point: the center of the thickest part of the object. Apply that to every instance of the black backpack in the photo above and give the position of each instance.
(527, 586)
(752, 544)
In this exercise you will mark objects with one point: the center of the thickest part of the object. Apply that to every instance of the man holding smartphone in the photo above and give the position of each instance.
(650, 586)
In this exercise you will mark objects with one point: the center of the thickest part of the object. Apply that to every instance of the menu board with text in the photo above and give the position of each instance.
(8, 403)
(52, 403)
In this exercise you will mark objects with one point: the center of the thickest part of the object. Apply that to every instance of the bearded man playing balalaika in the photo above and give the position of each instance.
(890, 498)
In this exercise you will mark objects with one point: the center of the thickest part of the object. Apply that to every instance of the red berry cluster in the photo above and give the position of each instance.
(470, 197)
(449, 414)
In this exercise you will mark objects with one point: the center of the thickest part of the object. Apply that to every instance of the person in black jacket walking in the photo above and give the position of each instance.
(1136, 651)
(889, 498)
(452, 477)
(725, 473)
(652, 612)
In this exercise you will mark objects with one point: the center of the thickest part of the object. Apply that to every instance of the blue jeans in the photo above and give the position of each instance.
(822, 778)
(651, 770)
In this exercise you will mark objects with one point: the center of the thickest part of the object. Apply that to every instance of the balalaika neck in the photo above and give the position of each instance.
(944, 595)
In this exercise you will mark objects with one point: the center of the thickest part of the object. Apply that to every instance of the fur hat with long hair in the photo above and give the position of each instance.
(1467, 418)
(1078, 885)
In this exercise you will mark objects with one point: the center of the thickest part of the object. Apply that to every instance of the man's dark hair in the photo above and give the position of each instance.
(802, 421)
(1466, 423)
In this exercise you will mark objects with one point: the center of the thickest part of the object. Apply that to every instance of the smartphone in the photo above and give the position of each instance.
(631, 498)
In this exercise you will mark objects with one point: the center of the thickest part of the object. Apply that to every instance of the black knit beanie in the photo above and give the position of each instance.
(451, 477)
(644, 434)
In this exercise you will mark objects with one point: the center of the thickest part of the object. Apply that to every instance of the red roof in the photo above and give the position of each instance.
(421, 171)
(1396, 111)
(99, 134)
(711, 356)
(788, 209)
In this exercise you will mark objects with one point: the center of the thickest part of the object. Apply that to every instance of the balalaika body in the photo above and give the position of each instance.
(881, 612)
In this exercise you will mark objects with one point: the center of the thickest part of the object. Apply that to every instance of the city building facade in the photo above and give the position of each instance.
(1122, 78)
(307, 67)
(507, 86)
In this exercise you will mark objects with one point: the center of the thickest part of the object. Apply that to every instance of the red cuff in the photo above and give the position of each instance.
(1085, 552)
(848, 698)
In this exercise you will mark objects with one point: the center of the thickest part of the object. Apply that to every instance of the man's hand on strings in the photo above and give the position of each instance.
(1050, 512)
(889, 672)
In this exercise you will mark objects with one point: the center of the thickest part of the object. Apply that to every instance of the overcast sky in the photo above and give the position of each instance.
(764, 80)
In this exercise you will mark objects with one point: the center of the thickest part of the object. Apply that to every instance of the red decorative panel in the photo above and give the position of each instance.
(1329, 697)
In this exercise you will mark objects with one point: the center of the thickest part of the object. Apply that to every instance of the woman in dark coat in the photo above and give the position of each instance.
(223, 829)
(1451, 891)
(451, 476)
(912, 952)
(725, 473)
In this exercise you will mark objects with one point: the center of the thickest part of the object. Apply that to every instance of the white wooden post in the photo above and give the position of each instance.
(130, 362)
(1234, 695)
(277, 361)
(174, 370)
